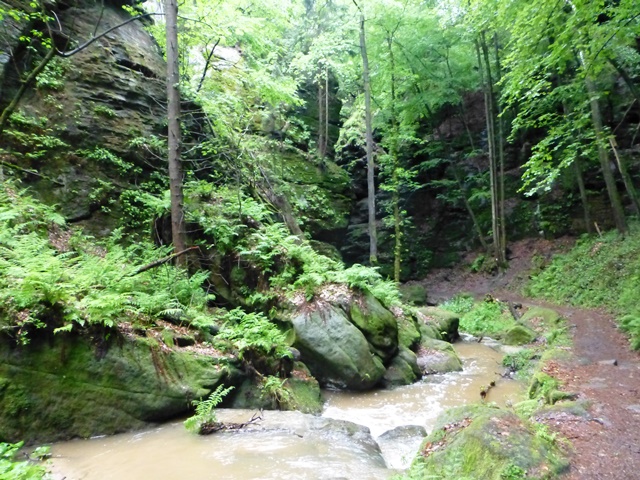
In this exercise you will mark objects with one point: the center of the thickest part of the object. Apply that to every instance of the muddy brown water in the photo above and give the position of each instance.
(294, 450)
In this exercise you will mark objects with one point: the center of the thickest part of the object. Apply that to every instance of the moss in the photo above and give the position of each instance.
(444, 321)
(481, 442)
(66, 386)
(519, 335)
(548, 316)
(408, 334)
(415, 294)
(378, 324)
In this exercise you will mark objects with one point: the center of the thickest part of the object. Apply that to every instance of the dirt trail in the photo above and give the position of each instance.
(605, 444)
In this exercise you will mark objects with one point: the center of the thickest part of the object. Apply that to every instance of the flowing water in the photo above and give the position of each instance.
(292, 445)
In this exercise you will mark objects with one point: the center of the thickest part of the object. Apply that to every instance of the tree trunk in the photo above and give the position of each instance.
(583, 195)
(178, 232)
(612, 190)
(321, 115)
(626, 178)
(371, 189)
(493, 170)
(393, 151)
(498, 115)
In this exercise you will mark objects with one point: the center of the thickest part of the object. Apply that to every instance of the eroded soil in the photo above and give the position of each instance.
(602, 370)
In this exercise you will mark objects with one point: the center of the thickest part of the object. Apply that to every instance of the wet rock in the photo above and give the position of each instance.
(378, 325)
(399, 445)
(70, 385)
(333, 348)
(436, 356)
(414, 294)
(403, 370)
(444, 322)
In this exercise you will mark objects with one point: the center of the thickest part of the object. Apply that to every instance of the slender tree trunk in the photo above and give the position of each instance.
(321, 115)
(173, 112)
(467, 205)
(493, 171)
(626, 178)
(612, 189)
(371, 189)
(627, 79)
(583, 195)
(326, 109)
(498, 115)
(393, 151)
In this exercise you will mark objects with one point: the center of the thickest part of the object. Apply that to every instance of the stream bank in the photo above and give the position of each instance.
(350, 440)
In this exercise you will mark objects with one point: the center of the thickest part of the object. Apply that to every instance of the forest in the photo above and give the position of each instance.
(252, 204)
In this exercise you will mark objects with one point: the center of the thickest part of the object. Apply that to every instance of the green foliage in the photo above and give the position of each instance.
(205, 410)
(11, 469)
(489, 317)
(104, 111)
(274, 388)
(512, 472)
(253, 336)
(597, 272)
(52, 77)
(107, 157)
(52, 278)
(520, 360)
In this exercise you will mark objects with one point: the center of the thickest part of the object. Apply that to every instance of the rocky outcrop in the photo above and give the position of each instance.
(84, 123)
(68, 385)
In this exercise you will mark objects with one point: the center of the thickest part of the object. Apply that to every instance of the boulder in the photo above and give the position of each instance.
(63, 386)
(413, 293)
(408, 333)
(403, 370)
(378, 325)
(333, 348)
(436, 356)
(445, 323)
(519, 335)
(481, 442)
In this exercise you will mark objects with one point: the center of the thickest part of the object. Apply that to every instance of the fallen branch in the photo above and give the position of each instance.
(160, 262)
(213, 427)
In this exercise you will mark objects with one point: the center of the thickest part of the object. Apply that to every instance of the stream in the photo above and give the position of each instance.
(336, 445)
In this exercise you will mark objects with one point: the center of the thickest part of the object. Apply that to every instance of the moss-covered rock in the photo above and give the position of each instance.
(333, 348)
(64, 386)
(378, 324)
(519, 335)
(414, 293)
(486, 443)
(408, 333)
(436, 356)
(537, 315)
(446, 323)
(403, 370)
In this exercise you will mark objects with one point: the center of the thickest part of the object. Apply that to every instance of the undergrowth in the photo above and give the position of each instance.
(597, 272)
(12, 469)
(488, 317)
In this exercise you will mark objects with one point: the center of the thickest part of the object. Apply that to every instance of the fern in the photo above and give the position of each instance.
(205, 409)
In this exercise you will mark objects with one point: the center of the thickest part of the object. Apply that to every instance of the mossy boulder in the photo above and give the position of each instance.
(519, 335)
(403, 370)
(413, 293)
(485, 443)
(335, 350)
(437, 356)
(378, 325)
(540, 317)
(444, 322)
(62, 386)
(408, 333)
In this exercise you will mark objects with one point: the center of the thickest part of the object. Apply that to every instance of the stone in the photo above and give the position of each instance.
(378, 325)
(519, 335)
(403, 370)
(413, 293)
(444, 321)
(333, 348)
(482, 442)
(437, 356)
(71, 385)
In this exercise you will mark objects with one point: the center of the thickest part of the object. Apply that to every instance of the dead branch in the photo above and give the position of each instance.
(161, 261)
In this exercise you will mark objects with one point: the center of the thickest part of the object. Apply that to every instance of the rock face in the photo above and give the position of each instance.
(65, 386)
(109, 95)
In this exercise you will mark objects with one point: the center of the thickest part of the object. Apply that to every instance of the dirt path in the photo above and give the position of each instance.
(602, 370)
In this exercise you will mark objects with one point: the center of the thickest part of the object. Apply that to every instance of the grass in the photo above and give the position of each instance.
(489, 317)
(597, 272)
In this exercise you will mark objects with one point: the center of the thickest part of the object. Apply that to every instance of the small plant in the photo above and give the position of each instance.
(512, 472)
(273, 387)
(205, 410)
(14, 470)
(104, 111)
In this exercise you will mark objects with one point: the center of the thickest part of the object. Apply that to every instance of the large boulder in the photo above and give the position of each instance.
(486, 443)
(334, 349)
(378, 324)
(403, 370)
(437, 356)
(439, 323)
(70, 385)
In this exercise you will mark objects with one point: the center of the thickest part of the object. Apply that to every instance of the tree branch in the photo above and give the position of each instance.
(206, 65)
(161, 261)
